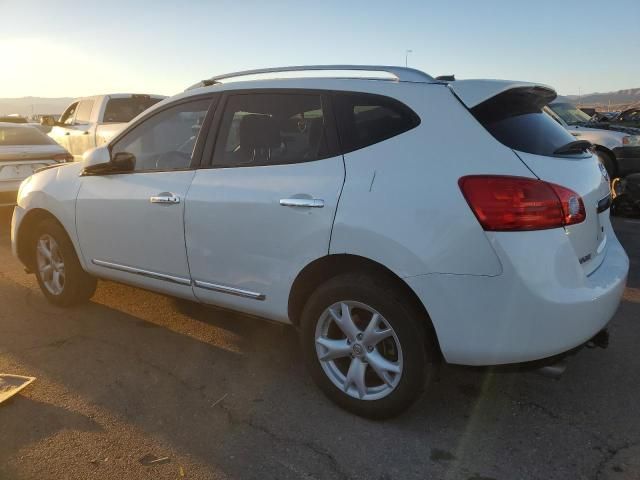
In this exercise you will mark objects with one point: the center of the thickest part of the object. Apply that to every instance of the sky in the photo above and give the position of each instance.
(56, 48)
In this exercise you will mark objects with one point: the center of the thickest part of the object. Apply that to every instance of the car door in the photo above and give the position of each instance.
(130, 224)
(81, 135)
(61, 132)
(265, 207)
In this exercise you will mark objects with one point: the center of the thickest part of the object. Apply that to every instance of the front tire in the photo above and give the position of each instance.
(366, 345)
(62, 279)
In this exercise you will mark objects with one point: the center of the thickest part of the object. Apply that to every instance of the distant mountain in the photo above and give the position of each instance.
(630, 96)
(28, 105)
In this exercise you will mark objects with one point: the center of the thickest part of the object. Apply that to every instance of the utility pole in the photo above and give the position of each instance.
(406, 57)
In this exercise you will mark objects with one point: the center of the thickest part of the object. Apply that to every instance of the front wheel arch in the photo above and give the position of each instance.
(26, 235)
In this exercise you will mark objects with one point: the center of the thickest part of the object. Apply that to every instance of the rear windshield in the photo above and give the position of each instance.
(23, 136)
(516, 119)
(123, 110)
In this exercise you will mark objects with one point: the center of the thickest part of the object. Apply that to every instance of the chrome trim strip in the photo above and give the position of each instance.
(230, 290)
(144, 273)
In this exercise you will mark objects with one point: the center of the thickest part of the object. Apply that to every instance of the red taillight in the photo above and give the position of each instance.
(505, 204)
(63, 157)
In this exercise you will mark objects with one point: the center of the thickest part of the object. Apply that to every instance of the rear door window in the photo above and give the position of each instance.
(516, 119)
(366, 119)
(123, 110)
(272, 129)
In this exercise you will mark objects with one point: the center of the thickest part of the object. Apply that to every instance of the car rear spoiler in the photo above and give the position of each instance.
(474, 92)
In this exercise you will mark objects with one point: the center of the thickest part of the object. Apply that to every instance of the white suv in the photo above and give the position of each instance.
(393, 219)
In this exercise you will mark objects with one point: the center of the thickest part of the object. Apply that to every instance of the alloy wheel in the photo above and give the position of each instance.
(358, 350)
(50, 264)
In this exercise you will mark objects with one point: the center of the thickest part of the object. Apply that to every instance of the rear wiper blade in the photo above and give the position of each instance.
(577, 146)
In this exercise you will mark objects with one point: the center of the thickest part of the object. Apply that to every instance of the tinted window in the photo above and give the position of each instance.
(165, 141)
(365, 119)
(269, 129)
(23, 136)
(84, 111)
(516, 119)
(123, 110)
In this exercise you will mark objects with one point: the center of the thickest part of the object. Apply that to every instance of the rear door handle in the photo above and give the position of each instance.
(302, 202)
(166, 198)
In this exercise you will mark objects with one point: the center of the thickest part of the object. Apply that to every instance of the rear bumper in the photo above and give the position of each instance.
(628, 159)
(542, 305)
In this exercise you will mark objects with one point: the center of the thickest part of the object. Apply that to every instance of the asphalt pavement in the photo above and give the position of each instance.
(135, 385)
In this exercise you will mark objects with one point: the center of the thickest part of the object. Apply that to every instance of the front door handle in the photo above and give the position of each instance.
(302, 202)
(166, 198)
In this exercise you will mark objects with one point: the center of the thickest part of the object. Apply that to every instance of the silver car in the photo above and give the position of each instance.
(23, 150)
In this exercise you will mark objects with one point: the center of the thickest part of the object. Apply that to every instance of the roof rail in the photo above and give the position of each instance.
(401, 74)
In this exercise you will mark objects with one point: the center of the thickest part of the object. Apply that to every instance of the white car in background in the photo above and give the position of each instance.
(92, 121)
(393, 219)
(618, 147)
(23, 150)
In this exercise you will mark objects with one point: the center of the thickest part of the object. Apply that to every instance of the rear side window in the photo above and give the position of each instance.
(83, 115)
(23, 136)
(516, 119)
(123, 110)
(365, 119)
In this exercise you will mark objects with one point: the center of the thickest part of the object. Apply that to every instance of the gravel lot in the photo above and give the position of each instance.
(225, 396)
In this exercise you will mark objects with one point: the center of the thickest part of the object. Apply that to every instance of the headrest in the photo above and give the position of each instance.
(259, 131)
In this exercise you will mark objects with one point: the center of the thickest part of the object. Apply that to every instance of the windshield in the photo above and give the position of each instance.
(23, 136)
(569, 113)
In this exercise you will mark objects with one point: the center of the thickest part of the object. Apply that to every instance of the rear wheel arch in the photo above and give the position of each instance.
(325, 268)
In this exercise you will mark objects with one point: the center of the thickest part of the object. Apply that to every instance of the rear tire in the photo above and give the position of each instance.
(62, 279)
(392, 358)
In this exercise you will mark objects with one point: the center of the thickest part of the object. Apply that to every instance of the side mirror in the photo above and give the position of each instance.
(99, 161)
(96, 160)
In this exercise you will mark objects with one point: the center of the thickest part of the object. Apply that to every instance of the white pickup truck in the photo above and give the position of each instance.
(92, 121)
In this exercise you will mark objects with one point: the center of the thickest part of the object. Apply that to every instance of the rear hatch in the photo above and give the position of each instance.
(512, 113)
